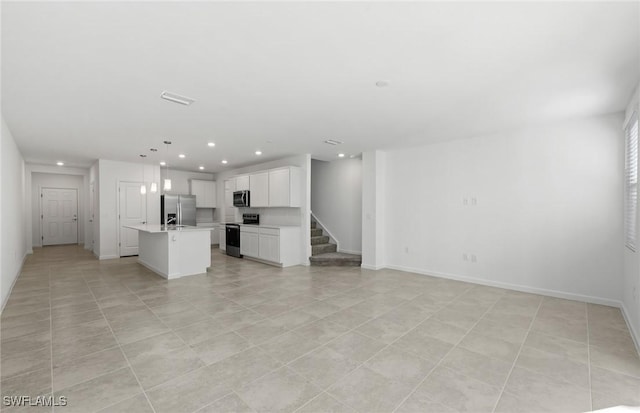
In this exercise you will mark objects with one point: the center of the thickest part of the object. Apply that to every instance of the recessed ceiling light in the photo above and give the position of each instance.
(153, 150)
(341, 155)
(173, 97)
(224, 161)
(211, 144)
(382, 83)
(60, 163)
(258, 153)
(162, 163)
(142, 155)
(332, 142)
(201, 167)
(182, 155)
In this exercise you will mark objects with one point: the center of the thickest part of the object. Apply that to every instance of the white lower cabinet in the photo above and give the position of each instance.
(249, 245)
(275, 245)
(269, 245)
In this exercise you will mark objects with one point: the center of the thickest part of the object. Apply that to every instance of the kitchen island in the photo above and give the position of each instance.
(174, 251)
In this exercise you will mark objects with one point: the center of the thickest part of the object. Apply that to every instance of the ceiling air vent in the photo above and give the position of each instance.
(183, 100)
(332, 142)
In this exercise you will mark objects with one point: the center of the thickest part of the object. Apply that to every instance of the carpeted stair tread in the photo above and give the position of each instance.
(322, 239)
(323, 248)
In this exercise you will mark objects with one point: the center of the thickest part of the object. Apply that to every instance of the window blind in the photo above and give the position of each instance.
(631, 181)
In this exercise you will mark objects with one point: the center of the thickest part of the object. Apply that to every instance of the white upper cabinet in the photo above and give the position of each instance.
(205, 192)
(259, 189)
(279, 187)
(284, 187)
(229, 187)
(242, 183)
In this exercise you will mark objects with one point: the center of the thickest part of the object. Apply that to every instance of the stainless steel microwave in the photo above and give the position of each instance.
(241, 199)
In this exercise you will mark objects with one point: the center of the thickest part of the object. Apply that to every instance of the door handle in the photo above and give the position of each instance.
(144, 222)
(74, 219)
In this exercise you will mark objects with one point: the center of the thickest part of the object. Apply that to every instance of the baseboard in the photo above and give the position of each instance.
(509, 286)
(372, 267)
(156, 270)
(13, 283)
(107, 257)
(632, 330)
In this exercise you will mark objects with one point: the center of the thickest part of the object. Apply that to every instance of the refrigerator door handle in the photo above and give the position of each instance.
(179, 213)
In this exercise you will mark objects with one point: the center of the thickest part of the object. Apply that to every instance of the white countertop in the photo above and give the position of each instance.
(269, 226)
(153, 228)
(208, 224)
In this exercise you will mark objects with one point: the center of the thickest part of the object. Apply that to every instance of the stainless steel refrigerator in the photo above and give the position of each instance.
(178, 210)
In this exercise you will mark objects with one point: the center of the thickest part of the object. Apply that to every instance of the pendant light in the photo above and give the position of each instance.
(153, 188)
(167, 181)
(143, 187)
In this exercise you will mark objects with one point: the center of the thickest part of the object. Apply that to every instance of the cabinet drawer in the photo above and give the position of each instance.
(269, 231)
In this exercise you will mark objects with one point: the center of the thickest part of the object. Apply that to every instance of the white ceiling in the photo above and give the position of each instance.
(81, 81)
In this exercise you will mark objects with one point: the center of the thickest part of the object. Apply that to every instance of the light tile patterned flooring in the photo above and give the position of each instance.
(112, 337)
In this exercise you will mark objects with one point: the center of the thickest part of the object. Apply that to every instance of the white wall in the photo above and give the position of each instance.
(180, 180)
(63, 172)
(336, 199)
(180, 186)
(110, 174)
(548, 213)
(278, 216)
(13, 243)
(94, 180)
(374, 203)
(41, 180)
(631, 279)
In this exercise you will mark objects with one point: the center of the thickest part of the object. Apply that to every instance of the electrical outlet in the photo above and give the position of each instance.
(473, 258)
(465, 201)
(465, 257)
(474, 201)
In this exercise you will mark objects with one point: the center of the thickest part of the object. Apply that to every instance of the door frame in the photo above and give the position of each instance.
(119, 185)
(40, 189)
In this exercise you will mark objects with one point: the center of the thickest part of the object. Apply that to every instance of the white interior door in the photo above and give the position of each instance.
(133, 211)
(59, 214)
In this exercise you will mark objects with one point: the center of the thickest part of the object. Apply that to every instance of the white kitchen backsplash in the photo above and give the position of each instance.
(275, 216)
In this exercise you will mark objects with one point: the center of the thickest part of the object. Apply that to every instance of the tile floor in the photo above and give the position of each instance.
(112, 337)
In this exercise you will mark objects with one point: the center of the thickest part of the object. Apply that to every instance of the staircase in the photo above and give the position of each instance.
(325, 253)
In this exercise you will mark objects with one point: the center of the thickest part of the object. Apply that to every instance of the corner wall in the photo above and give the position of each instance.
(631, 278)
(336, 199)
(45, 180)
(13, 245)
(374, 207)
(539, 208)
(109, 175)
(54, 174)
